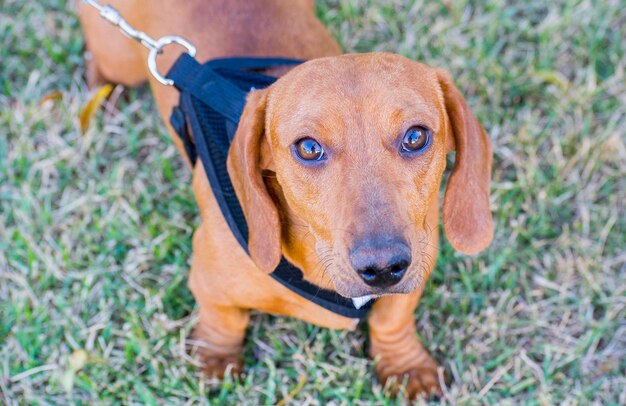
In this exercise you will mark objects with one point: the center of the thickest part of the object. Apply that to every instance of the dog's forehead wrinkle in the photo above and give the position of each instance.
(362, 98)
(351, 74)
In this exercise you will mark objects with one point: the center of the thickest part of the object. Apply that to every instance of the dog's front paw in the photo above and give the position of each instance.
(417, 381)
(214, 366)
(216, 345)
(406, 365)
(217, 358)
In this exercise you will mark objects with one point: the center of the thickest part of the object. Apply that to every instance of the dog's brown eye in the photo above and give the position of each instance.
(309, 150)
(416, 139)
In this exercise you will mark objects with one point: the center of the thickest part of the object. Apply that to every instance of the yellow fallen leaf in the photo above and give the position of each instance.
(294, 392)
(50, 97)
(78, 359)
(552, 77)
(89, 111)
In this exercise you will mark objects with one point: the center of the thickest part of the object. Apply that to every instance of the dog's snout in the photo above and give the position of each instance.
(381, 262)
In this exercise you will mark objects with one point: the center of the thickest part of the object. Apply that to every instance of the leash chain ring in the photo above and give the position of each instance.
(160, 44)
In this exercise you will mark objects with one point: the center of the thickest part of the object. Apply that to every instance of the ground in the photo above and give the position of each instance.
(95, 229)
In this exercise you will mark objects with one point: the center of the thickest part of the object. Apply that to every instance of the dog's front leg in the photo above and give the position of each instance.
(218, 336)
(218, 339)
(394, 344)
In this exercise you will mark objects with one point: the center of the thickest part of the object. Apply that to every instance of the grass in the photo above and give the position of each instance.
(95, 229)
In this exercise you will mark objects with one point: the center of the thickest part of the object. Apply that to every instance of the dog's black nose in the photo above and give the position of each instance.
(381, 262)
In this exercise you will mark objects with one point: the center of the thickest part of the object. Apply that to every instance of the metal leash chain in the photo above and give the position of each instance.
(155, 46)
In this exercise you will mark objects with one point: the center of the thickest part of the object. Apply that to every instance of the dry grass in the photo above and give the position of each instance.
(95, 230)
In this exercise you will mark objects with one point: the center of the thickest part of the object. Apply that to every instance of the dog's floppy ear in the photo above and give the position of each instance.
(466, 215)
(244, 168)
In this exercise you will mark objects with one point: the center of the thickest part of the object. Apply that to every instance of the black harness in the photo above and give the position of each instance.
(212, 98)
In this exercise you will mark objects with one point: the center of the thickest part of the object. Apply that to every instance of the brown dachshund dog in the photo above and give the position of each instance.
(337, 167)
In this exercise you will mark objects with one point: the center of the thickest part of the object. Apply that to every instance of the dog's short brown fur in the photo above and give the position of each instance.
(357, 106)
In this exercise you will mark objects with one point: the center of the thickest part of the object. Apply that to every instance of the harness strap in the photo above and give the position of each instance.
(212, 98)
(224, 97)
(291, 277)
(179, 124)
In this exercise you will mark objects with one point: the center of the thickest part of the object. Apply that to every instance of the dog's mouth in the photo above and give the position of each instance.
(348, 286)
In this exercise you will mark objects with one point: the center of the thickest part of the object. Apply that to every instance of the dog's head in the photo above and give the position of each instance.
(352, 150)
